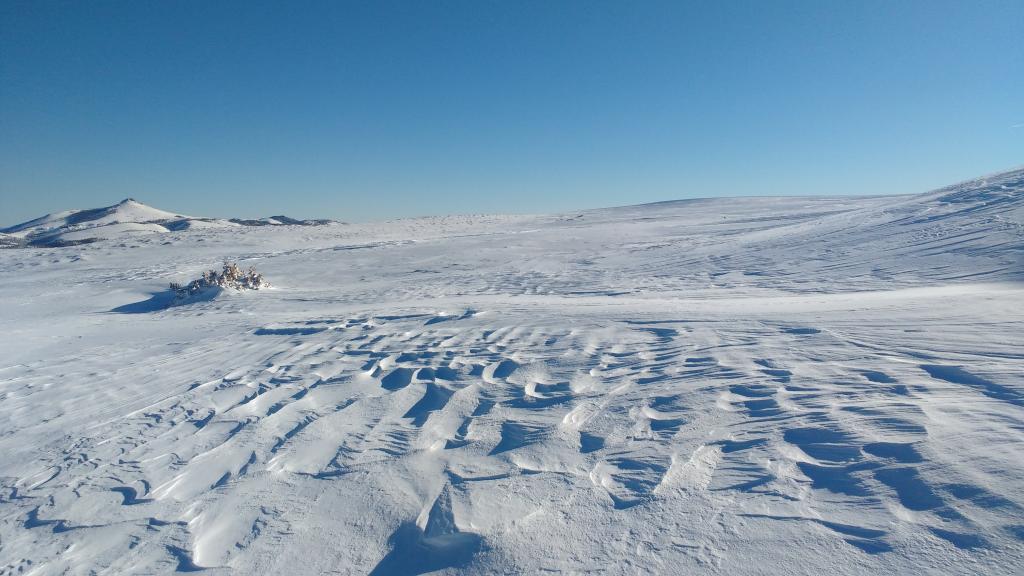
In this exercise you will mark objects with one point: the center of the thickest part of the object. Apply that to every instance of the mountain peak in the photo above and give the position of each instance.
(127, 216)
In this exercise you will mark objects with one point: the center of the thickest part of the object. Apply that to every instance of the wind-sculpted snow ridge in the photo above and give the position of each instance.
(796, 385)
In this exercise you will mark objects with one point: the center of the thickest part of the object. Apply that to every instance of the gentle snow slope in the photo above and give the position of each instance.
(734, 386)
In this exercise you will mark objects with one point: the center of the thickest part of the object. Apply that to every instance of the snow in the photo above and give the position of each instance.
(735, 386)
(128, 216)
(126, 211)
(8, 240)
(199, 224)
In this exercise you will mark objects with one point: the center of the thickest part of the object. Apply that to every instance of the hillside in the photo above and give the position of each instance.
(126, 218)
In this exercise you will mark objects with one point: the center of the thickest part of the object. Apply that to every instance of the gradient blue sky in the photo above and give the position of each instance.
(369, 110)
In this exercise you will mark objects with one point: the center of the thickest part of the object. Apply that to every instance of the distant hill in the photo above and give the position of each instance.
(128, 216)
(8, 241)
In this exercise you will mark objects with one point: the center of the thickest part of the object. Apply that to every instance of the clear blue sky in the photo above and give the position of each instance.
(367, 110)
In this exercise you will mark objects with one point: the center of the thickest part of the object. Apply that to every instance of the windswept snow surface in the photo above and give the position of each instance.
(734, 386)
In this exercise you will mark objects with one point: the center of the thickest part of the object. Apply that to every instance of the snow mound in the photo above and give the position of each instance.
(231, 277)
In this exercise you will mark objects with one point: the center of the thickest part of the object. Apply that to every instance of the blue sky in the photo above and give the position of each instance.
(375, 109)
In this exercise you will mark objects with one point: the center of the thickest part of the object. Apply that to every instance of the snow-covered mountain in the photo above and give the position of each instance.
(8, 241)
(127, 217)
(727, 386)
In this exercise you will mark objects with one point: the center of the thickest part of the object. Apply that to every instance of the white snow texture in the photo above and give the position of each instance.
(727, 386)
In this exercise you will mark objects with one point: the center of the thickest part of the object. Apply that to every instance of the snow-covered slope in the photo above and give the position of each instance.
(73, 225)
(126, 218)
(729, 386)
(9, 241)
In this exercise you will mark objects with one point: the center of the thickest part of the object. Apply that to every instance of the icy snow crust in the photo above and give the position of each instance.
(736, 386)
